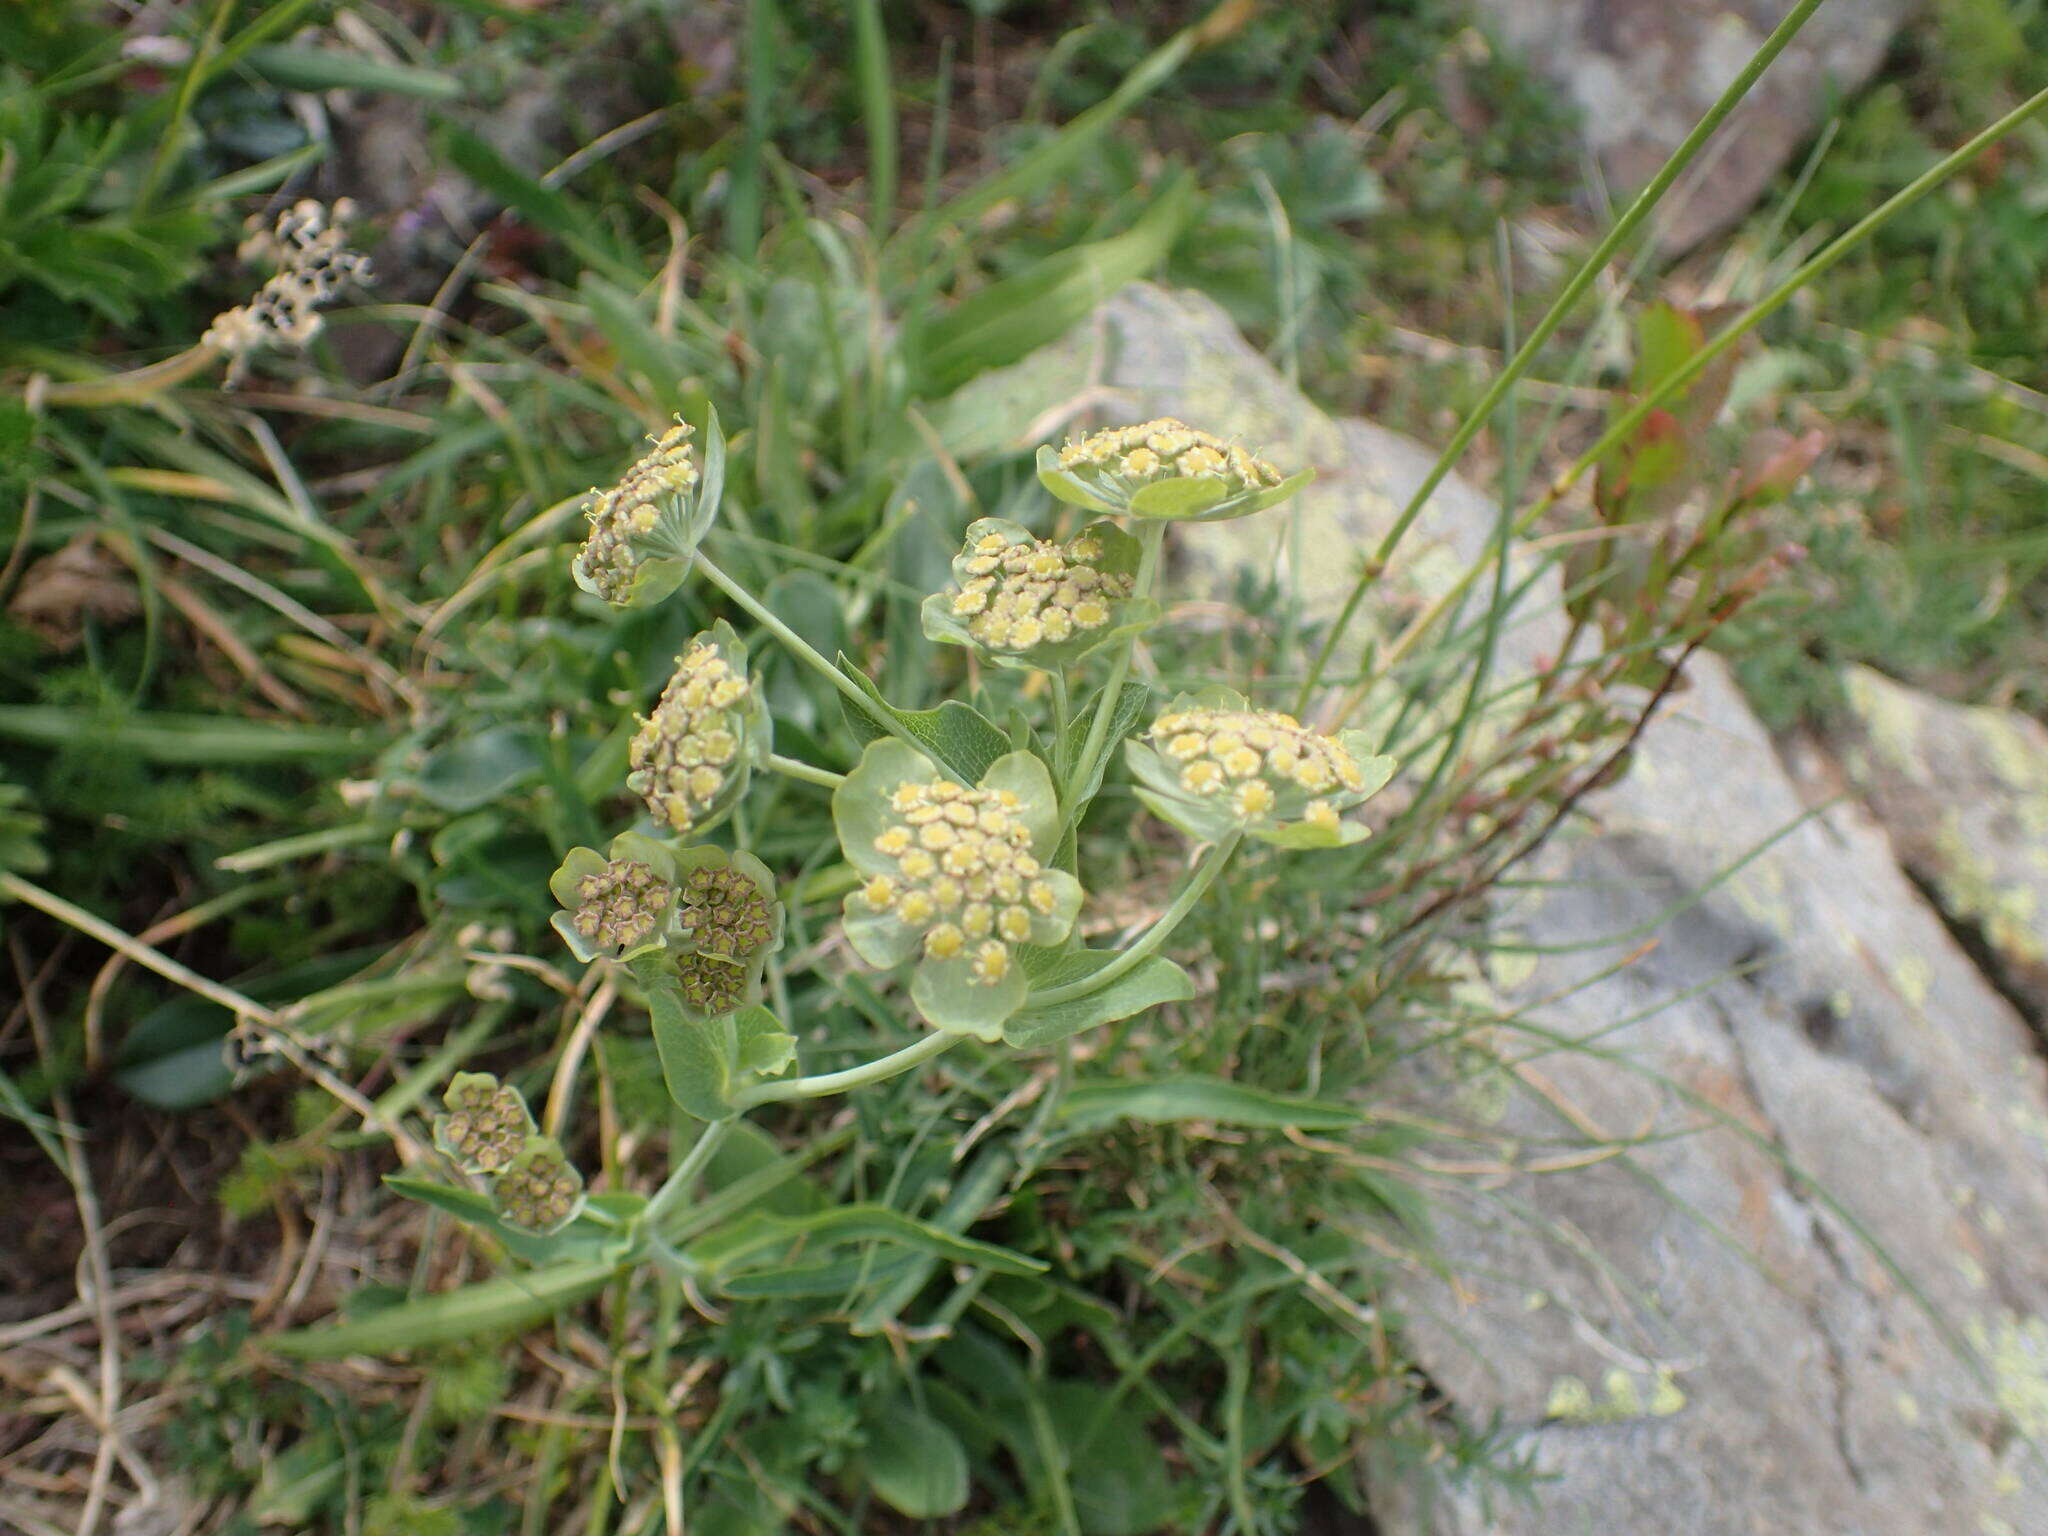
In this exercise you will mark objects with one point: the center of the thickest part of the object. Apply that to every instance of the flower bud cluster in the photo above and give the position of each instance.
(1251, 757)
(624, 518)
(308, 246)
(687, 754)
(486, 1125)
(1159, 450)
(1164, 470)
(621, 906)
(1018, 596)
(966, 879)
(540, 1189)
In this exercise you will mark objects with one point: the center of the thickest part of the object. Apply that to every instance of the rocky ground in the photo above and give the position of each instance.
(1811, 1299)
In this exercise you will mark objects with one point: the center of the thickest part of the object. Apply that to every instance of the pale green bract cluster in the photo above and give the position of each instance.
(1028, 602)
(615, 904)
(1164, 469)
(540, 1190)
(727, 923)
(645, 529)
(1210, 765)
(691, 758)
(955, 878)
(488, 1130)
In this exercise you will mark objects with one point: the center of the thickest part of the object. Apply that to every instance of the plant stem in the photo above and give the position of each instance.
(136, 384)
(1475, 421)
(134, 949)
(880, 1070)
(1679, 378)
(809, 655)
(1149, 941)
(1153, 537)
(800, 770)
(678, 1183)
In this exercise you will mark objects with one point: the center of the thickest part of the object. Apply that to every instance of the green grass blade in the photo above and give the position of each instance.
(1525, 356)
(878, 112)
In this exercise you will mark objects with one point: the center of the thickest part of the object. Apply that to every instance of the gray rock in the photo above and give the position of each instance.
(1810, 1297)
(1643, 72)
(1963, 792)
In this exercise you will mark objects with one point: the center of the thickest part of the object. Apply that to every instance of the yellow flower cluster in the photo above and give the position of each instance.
(1156, 450)
(623, 516)
(1241, 753)
(683, 753)
(1017, 596)
(966, 878)
(621, 904)
(308, 246)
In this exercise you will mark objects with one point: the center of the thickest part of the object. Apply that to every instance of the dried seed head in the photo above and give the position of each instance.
(486, 1123)
(625, 518)
(539, 1189)
(966, 878)
(621, 905)
(688, 752)
(713, 985)
(308, 247)
(721, 912)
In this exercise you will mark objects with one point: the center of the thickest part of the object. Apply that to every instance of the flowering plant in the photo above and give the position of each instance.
(958, 862)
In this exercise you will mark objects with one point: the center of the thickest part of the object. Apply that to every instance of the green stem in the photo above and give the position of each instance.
(1153, 537)
(1475, 421)
(801, 770)
(1150, 940)
(803, 650)
(880, 1070)
(1679, 378)
(677, 1185)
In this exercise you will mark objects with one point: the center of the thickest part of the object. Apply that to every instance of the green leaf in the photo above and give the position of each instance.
(703, 1063)
(294, 1486)
(1008, 319)
(209, 741)
(472, 771)
(1147, 985)
(962, 738)
(1117, 1472)
(1131, 705)
(492, 1306)
(1170, 1100)
(580, 1239)
(914, 1463)
(541, 206)
(334, 69)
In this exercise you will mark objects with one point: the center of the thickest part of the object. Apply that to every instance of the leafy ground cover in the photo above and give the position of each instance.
(300, 693)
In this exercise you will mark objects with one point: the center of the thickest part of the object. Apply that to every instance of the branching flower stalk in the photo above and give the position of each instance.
(952, 846)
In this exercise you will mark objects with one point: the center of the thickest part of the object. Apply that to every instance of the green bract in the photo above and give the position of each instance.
(691, 758)
(486, 1124)
(1028, 602)
(540, 1189)
(1211, 765)
(727, 923)
(618, 903)
(1164, 469)
(956, 878)
(644, 531)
